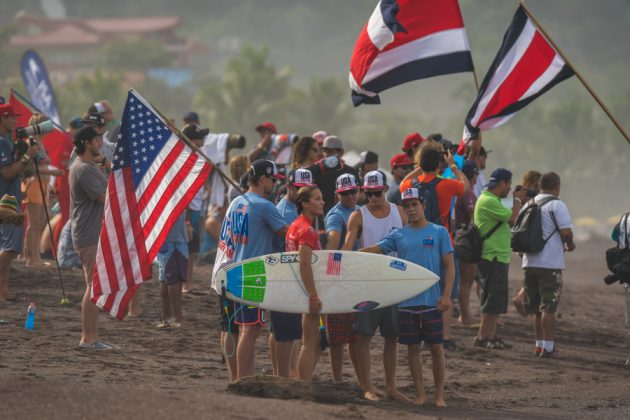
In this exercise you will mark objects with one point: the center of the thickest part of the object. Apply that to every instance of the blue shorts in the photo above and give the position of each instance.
(455, 291)
(194, 217)
(11, 238)
(420, 323)
(173, 262)
(286, 327)
(249, 315)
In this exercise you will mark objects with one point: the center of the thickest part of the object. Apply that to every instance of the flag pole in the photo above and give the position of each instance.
(577, 73)
(29, 103)
(193, 146)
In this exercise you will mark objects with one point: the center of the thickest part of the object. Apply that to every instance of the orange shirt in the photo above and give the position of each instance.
(446, 189)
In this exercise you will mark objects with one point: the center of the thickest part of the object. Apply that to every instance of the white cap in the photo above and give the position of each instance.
(346, 182)
(374, 180)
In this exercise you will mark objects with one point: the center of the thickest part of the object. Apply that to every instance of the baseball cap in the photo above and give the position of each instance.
(400, 159)
(94, 118)
(268, 126)
(7, 110)
(346, 182)
(191, 117)
(374, 180)
(411, 194)
(497, 176)
(301, 178)
(412, 140)
(320, 136)
(367, 156)
(76, 123)
(470, 169)
(84, 135)
(332, 142)
(266, 167)
(193, 132)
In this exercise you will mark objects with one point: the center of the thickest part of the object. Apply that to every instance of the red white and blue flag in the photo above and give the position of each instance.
(333, 266)
(406, 40)
(525, 67)
(154, 177)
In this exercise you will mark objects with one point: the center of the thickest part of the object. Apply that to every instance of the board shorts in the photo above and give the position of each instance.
(493, 285)
(420, 323)
(339, 327)
(11, 238)
(227, 315)
(542, 289)
(442, 282)
(249, 315)
(194, 218)
(385, 319)
(173, 262)
(285, 326)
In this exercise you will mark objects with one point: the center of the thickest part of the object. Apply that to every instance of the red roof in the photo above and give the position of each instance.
(133, 25)
(64, 34)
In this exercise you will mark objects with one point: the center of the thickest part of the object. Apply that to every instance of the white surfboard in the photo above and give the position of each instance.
(346, 281)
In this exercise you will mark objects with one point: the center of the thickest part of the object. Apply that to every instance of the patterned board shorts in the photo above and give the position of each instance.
(339, 328)
(420, 323)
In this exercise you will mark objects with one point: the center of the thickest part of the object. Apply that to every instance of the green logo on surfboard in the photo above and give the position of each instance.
(254, 281)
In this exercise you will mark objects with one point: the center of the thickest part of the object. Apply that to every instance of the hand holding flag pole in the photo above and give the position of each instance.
(577, 73)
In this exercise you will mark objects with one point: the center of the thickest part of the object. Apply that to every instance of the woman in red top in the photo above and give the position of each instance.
(303, 238)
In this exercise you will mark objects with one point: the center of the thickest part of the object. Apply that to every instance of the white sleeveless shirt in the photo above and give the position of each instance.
(375, 228)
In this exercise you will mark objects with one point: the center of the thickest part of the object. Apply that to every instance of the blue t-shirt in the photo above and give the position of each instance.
(288, 213)
(11, 187)
(249, 226)
(178, 234)
(425, 247)
(337, 221)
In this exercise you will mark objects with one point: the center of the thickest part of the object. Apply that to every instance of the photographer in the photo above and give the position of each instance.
(14, 158)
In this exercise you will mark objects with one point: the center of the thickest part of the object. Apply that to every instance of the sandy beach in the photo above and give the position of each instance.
(161, 373)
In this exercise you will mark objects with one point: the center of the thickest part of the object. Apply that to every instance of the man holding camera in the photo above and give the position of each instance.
(14, 157)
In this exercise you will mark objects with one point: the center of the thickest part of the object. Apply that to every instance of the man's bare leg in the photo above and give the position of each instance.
(548, 322)
(6, 257)
(89, 317)
(488, 326)
(336, 361)
(167, 310)
(245, 351)
(228, 344)
(284, 357)
(390, 362)
(439, 372)
(364, 364)
(415, 366)
(175, 296)
(135, 304)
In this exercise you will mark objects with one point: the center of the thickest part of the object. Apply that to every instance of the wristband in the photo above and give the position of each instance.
(25, 159)
(452, 166)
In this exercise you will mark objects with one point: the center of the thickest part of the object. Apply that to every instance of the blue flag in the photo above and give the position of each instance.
(38, 85)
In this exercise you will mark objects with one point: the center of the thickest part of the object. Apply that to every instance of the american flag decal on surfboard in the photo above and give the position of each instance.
(333, 267)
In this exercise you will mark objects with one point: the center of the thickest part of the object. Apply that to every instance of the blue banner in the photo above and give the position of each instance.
(38, 85)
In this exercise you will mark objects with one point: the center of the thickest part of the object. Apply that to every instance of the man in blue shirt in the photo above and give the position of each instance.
(12, 163)
(420, 317)
(247, 232)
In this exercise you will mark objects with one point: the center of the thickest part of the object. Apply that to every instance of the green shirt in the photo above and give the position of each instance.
(488, 212)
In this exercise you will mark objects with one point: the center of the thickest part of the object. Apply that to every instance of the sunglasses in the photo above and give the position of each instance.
(347, 193)
(374, 193)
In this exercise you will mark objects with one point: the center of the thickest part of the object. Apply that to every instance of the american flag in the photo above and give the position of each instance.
(333, 267)
(154, 177)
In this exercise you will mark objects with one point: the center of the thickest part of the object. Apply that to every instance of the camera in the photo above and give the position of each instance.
(34, 130)
(236, 141)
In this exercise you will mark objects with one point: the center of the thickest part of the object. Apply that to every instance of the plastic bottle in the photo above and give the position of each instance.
(30, 317)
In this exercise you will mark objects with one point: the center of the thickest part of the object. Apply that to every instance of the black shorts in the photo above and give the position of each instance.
(286, 327)
(420, 323)
(386, 320)
(227, 315)
(493, 282)
(542, 289)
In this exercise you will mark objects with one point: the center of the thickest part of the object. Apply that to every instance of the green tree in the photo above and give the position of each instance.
(75, 97)
(136, 54)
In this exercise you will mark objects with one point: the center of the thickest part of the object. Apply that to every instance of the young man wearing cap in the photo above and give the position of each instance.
(340, 325)
(481, 160)
(96, 121)
(12, 163)
(368, 162)
(191, 118)
(327, 170)
(366, 226)
(263, 150)
(411, 143)
(420, 317)
(247, 231)
(495, 257)
(88, 185)
(401, 164)
(286, 329)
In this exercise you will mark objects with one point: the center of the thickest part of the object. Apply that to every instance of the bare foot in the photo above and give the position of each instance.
(419, 400)
(439, 403)
(396, 396)
(371, 395)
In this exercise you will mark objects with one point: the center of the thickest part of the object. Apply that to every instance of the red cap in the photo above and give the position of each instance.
(411, 140)
(401, 159)
(268, 126)
(7, 110)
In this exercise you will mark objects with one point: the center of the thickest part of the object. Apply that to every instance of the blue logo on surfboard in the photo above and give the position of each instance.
(398, 265)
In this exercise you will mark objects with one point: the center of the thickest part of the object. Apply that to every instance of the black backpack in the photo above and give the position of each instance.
(469, 242)
(618, 257)
(426, 190)
(527, 232)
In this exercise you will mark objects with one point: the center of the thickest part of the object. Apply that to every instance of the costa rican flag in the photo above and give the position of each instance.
(154, 177)
(525, 67)
(407, 40)
(333, 267)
